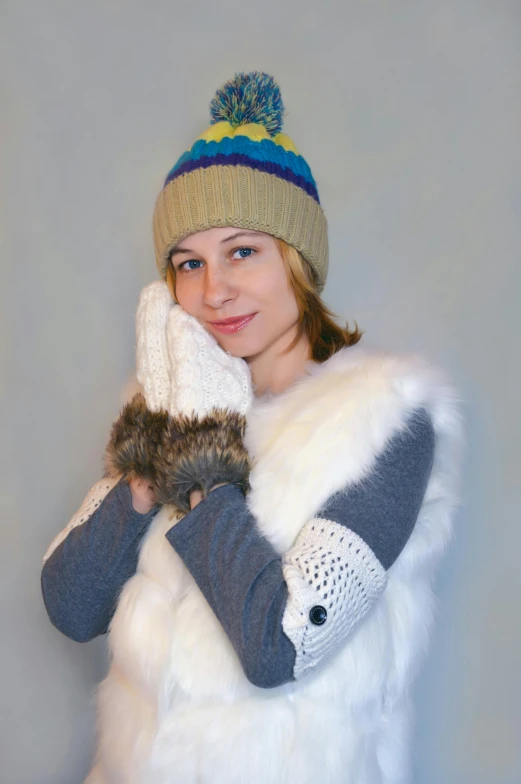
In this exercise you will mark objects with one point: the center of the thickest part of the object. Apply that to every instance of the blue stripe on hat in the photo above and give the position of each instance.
(263, 152)
(237, 159)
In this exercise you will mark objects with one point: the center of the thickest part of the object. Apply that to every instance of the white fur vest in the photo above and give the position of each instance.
(176, 706)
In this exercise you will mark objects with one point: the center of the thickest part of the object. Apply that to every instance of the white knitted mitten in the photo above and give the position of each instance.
(204, 376)
(333, 580)
(152, 362)
(181, 366)
(207, 393)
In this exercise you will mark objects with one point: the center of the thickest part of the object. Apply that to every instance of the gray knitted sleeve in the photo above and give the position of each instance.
(241, 576)
(237, 570)
(82, 577)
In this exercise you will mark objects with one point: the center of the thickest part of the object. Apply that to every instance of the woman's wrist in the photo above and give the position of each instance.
(143, 497)
(196, 496)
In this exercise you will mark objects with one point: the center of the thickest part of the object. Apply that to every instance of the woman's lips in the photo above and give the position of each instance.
(232, 324)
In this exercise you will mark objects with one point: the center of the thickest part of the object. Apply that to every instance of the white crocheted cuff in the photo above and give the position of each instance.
(333, 579)
(92, 500)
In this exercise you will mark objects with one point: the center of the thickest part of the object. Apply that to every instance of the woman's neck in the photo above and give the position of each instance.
(273, 371)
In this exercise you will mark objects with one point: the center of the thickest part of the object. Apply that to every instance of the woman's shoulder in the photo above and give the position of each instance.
(377, 362)
(370, 397)
(374, 377)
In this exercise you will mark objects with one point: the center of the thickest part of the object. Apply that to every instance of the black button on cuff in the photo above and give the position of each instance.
(318, 615)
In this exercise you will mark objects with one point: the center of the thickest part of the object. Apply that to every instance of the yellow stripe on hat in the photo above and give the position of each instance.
(254, 131)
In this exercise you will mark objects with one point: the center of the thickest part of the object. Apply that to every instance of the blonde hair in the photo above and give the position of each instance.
(315, 320)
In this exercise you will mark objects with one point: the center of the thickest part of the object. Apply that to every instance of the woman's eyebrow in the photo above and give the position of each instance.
(240, 234)
(226, 239)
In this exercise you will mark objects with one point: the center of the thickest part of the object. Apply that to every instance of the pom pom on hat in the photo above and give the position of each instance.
(249, 98)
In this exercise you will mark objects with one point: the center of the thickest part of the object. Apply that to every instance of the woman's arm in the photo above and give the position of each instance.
(264, 602)
(88, 563)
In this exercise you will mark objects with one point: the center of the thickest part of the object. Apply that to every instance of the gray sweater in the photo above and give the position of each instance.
(236, 568)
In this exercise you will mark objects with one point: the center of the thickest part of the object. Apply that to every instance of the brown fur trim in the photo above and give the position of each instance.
(136, 440)
(200, 452)
(178, 454)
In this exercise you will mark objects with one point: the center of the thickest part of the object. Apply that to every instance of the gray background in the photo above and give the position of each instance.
(409, 115)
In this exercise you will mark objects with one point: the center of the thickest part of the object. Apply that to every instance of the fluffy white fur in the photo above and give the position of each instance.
(176, 706)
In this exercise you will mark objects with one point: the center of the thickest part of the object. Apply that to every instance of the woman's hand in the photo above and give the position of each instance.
(143, 495)
(173, 456)
(186, 431)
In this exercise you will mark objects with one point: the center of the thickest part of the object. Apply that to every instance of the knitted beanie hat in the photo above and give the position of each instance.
(242, 171)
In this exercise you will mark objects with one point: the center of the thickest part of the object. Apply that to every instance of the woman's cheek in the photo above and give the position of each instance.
(188, 300)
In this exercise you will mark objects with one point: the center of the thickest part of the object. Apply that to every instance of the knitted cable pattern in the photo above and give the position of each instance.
(152, 362)
(180, 365)
(92, 500)
(333, 580)
(204, 376)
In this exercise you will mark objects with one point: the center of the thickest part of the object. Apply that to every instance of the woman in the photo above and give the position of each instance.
(262, 547)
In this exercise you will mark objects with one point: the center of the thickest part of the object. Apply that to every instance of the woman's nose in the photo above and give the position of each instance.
(217, 288)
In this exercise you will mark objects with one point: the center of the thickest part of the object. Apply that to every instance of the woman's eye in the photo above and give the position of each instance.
(244, 252)
(190, 264)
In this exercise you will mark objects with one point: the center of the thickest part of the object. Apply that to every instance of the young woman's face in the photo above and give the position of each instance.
(233, 281)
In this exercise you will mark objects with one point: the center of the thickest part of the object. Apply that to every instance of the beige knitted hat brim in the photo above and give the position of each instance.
(244, 197)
